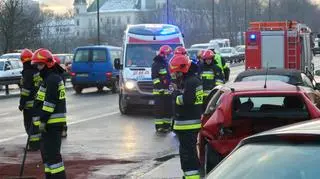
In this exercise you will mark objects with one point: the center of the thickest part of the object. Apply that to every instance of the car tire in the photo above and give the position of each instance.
(78, 89)
(100, 88)
(211, 158)
(123, 105)
(115, 87)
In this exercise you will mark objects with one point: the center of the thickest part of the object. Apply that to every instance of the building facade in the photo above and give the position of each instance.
(115, 15)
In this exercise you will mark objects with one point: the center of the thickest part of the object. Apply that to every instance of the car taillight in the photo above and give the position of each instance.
(72, 73)
(109, 74)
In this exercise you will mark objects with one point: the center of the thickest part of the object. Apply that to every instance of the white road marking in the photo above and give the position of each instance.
(71, 123)
(3, 114)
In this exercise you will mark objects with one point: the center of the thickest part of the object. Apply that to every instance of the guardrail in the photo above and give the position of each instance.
(6, 81)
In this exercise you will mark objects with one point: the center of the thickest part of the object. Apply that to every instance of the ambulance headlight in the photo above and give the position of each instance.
(130, 85)
(253, 37)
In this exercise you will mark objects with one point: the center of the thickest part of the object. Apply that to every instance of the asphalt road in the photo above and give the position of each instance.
(101, 142)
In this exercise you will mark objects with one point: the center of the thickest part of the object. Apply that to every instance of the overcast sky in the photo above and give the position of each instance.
(60, 6)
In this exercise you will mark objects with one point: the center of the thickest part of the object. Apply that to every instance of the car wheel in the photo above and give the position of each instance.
(211, 158)
(123, 105)
(115, 87)
(78, 89)
(100, 88)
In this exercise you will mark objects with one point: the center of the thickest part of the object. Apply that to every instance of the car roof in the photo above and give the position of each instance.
(99, 47)
(285, 72)
(226, 48)
(8, 58)
(11, 54)
(259, 86)
(62, 54)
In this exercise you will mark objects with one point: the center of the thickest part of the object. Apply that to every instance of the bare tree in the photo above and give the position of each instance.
(18, 27)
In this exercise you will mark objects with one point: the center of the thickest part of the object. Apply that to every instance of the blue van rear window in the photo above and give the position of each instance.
(99, 55)
(82, 55)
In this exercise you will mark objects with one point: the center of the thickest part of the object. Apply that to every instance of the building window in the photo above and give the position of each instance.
(119, 20)
(108, 20)
(77, 11)
(128, 20)
(78, 22)
(57, 29)
(113, 21)
(78, 33)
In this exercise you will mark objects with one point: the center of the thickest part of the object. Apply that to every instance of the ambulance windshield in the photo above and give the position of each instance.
(141, 55)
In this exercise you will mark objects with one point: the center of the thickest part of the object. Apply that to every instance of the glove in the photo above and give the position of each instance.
(42, 127)
(21, 108)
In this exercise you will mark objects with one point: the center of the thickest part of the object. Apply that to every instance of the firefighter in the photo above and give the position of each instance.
(161, 82)
(188, 108)
(211, 75)
(29, 85)
(58, 61)
(221, 63)
(50, 104)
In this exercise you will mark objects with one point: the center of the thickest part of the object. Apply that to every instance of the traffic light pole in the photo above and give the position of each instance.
(98, 20)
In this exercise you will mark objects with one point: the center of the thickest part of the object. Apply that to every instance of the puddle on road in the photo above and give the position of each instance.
(76, 168)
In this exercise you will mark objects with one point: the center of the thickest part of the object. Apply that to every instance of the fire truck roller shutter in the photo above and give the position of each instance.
(272, 49)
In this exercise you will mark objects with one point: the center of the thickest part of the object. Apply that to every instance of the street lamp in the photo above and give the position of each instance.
(167, 11)
(98, 21)
(213, 18)
(245, 14)
(269, 10)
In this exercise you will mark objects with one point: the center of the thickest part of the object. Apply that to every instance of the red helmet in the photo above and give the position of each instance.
(179, 63)
(26, 55)
(43, 56)
(165, 50)
(180, 51)
(207, 55)
(57, 59)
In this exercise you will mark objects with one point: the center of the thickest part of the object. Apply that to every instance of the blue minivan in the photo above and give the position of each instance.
(92, 66)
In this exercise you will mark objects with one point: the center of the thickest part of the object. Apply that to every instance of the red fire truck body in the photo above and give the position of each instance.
(284, 44)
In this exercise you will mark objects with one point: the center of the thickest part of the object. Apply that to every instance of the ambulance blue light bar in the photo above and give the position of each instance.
(153, 29)
(168, 31)
(253, 37)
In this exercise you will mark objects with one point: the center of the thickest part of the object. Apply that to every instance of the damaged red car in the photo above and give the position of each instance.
(242, 109)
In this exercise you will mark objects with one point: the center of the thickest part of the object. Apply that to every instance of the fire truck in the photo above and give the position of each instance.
(279, 44)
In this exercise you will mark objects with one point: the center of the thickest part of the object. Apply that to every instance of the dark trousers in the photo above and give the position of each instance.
(31, 129)
(163, 111)
(50, 152)
(188, 151)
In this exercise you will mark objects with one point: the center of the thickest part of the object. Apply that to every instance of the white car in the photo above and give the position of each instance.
(11, 55)
(230, 54)
(10, 71)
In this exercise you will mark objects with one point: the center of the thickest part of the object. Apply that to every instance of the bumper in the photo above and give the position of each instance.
(139, 99)
(84, 83)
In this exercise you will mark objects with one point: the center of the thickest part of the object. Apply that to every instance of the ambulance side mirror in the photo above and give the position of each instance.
(117, 64)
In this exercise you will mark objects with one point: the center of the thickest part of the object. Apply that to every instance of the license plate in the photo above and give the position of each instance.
(82, 75)
(151, 102)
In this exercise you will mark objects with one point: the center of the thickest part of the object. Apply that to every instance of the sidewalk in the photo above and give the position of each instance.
(168, 170)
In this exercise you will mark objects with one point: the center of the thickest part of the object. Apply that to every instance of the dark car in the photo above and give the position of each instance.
(287, 152)
(294, 77)
(242, 109)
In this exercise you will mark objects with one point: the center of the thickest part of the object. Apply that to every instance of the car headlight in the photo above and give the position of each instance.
(130, 85)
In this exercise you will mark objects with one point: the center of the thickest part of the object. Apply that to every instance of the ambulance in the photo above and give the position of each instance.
(141, 43)
(279, 44)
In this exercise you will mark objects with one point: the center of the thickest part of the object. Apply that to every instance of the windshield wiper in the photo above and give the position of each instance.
(137, 68)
